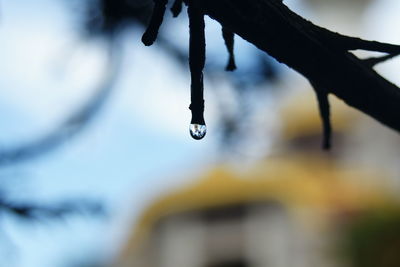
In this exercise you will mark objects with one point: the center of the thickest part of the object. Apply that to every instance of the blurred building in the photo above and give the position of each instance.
(298, 208)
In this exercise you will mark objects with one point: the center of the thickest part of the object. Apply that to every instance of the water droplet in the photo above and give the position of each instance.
(197, 131)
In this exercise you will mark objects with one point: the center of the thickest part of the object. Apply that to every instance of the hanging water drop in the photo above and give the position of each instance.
(197, 131)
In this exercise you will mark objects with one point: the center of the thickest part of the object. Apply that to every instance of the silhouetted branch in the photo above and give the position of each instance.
(320, 55)
(229, 38)
(372, 61)
(156, 20)
(176, 8)
(324, 110)
(197, 56)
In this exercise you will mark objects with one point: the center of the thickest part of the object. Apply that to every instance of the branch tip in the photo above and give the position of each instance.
(373, 61)
(324, 110)
(229, 38)
(157, 17)
(176, 8)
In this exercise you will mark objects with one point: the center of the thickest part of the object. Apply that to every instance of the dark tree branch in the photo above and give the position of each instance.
(372, 61)
(176, 8)
(320, 55)
(156, 20)
(229, 38)
(351, 43)
(197, 47)
(324, 110)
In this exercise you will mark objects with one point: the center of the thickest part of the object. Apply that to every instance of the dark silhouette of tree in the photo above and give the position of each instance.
(322, 56)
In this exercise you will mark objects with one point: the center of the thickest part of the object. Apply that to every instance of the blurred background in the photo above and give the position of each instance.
(98, 168)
